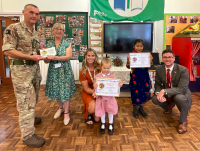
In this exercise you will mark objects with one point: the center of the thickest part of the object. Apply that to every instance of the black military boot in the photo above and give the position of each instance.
(34, 141)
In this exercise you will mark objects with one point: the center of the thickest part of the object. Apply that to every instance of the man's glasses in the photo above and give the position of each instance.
(167, 57)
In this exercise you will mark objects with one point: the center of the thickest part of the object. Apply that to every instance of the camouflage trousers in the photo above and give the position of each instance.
(26, 83)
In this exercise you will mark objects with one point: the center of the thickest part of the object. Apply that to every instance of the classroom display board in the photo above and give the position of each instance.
(96, 35)
(76, 30)
(175, 23)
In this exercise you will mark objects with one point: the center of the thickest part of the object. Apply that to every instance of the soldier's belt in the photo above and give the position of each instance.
(22, 62)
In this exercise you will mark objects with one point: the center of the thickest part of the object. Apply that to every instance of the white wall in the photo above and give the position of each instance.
(182, 6)
(47, 5)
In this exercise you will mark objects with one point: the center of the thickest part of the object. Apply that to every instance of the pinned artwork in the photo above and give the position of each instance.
(170, 29)
(61, 18)
(41, 20)
(172, 19)
(49, 21)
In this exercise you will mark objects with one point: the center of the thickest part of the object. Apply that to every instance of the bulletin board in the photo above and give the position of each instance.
(96, 35)
(175, 23)
(76, 30)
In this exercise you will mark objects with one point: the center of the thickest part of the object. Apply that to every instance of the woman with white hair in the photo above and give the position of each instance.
(60, 84)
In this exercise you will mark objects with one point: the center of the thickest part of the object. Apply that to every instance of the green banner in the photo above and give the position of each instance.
(127, 10)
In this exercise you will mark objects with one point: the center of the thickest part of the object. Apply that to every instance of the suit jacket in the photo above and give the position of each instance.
(179, 81)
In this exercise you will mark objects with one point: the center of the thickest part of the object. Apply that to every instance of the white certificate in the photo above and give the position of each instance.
(107, 87)
(48, 51)
(139, 60)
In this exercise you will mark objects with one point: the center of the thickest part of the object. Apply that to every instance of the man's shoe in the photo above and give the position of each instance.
(37, 120)
(182, 128)
(34, 141)
(169, 109)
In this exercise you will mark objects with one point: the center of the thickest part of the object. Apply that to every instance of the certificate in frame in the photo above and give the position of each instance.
(140, 60)
(107, 87)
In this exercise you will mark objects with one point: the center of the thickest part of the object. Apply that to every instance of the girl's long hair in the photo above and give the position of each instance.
(96, 62)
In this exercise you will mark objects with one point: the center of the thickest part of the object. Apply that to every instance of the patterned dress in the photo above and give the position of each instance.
(60, 82)
(140, 86)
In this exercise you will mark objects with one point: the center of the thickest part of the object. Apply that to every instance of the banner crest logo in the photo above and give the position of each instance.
(128, 8)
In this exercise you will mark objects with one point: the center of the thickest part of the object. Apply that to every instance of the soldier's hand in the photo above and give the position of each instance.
(37, 57)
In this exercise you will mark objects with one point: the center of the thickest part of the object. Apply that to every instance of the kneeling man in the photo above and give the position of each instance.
(171, 88)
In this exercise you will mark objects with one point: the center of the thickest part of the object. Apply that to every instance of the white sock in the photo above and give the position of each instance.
(103, 121)
(110, 116)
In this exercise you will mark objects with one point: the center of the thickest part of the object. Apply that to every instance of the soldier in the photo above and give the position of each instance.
(21, 44)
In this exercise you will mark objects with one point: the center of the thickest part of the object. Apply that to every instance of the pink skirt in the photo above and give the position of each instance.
(106, 104)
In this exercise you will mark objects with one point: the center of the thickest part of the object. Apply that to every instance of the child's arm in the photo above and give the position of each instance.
(120, 83)
(151, 59)
(128, 62)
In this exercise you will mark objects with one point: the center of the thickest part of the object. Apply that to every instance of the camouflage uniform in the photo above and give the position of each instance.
(25, 78)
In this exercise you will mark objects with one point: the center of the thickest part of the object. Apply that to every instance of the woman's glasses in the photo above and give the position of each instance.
(58, 29)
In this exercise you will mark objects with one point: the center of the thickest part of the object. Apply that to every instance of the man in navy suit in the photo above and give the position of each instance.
(171, 88)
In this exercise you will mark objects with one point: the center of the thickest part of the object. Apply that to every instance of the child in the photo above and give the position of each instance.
(106, 103)
(140, 83)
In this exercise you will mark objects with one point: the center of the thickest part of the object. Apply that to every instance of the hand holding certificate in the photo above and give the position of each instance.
(139, 60)
(48, 51)
(107, 87)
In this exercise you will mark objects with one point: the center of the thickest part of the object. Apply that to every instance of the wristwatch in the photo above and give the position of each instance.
(165, 92)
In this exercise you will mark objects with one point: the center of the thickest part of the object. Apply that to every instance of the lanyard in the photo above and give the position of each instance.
(91, 75)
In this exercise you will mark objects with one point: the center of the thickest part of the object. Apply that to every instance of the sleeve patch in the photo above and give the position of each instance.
(8, 31)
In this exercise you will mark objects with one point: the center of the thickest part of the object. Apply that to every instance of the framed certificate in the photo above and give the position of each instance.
(48, 51)
(139, 60)
(107, 87)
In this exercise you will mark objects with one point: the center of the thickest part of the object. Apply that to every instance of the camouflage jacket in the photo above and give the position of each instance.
(19, 37)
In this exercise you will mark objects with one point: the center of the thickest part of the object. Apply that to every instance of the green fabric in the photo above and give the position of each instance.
(116, 10)
(60, 82)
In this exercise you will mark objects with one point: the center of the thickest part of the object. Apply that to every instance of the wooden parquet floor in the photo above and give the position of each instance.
(156, 133)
